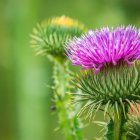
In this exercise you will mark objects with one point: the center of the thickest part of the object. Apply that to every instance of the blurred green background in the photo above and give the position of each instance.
(24, 98)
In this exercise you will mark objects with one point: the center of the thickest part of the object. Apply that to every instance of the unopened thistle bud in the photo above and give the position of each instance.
(48, 37)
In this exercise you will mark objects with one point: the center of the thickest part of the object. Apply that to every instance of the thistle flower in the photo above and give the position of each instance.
(111, 53)
(98, 48)
(49, 36)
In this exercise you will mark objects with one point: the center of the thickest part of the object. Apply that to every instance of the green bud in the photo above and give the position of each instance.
(48, 38)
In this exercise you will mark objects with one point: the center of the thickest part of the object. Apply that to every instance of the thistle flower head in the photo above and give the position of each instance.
(98, 48)
(49, 36)
(117, 84)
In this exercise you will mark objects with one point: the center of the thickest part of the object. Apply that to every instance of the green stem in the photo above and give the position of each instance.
(69, 123)
(119, 124)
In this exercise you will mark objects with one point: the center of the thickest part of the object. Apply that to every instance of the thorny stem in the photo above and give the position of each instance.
(69, 123)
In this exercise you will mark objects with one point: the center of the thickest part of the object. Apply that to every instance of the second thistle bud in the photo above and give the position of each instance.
(48, 38)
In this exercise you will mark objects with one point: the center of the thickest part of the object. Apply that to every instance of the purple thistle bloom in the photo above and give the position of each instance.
(98, 48)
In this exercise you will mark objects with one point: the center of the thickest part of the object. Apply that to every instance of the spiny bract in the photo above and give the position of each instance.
(111, 87)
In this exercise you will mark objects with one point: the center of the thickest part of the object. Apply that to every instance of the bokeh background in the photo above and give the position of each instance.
(24, 98)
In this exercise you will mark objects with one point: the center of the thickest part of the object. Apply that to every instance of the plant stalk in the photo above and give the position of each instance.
(119, 124)
(69, 124)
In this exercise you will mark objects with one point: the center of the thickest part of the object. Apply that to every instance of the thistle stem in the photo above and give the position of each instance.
(70, 125)
(119, 124)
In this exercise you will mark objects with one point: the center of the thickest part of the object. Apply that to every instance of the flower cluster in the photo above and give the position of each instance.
(98, 48)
